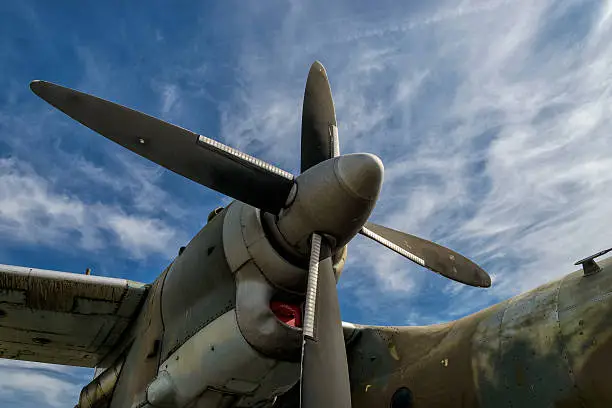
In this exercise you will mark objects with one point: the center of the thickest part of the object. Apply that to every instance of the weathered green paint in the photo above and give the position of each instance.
(551, 347)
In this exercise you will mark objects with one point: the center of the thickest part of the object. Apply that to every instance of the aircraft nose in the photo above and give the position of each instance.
(361, 174)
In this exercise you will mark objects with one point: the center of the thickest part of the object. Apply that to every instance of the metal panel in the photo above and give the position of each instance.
(199, 287)
(63, 318)
(532, 370)
(585, 315)
(218, 359)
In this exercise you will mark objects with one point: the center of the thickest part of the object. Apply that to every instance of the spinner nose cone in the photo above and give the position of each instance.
(335, 197)
(361, 174)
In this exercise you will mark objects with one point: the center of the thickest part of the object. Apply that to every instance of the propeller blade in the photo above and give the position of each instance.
(319, 127)
(325, 378)
(435, 257)
(193, 156)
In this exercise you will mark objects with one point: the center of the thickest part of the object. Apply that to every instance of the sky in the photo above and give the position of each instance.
(492, 119)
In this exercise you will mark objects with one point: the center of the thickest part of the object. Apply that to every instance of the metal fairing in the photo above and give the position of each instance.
(547, 348)
(218, 364)
(207, 359)
(98, 393)
(191, 293)
(220, 342)
(63, 318)
(142, 359)
(199, 287)
(261, 273)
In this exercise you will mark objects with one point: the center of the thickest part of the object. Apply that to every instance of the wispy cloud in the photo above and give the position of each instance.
(32, 212)
(28, 385)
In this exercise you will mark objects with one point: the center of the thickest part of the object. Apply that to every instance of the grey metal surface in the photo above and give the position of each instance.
(98, 393)
(258, 324)
(63, 318)
(199, 287)
(434, 257)
(141, 347)
(319, 127)
(245, 239)
(260, 273)
(325, 378)
(217, 359)
(195, 157)
(310, 304)
(334, 198)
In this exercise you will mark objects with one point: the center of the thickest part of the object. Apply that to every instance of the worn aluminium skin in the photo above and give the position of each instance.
(550, 347)
(63, 318)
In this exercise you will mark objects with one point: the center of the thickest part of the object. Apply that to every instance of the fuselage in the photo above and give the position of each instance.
(550, 347)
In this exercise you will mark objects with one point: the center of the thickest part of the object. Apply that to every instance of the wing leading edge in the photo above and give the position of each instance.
(63, 318)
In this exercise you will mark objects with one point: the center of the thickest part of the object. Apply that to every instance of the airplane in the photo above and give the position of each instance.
(247, 314)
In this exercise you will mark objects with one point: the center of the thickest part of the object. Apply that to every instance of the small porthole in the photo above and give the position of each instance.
(402, 398)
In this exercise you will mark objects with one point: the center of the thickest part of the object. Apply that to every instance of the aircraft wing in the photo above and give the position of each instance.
(63, 318)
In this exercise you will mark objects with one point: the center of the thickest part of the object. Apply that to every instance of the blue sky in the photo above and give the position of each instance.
(492, 119)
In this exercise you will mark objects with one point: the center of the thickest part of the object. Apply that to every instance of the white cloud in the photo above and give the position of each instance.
(22, 364)
(169, 97)
(27, 384)
(32, 212)
(142, 236)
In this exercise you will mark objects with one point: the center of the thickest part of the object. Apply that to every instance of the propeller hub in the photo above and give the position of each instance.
(361, 174)
(335, 198)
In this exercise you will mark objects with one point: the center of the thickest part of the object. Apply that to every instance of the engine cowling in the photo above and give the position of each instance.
(223, 341)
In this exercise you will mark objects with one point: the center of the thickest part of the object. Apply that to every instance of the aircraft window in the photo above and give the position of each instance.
(402, 398)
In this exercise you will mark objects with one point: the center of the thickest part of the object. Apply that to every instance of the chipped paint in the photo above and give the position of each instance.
(550, 347)
(63, 318)
(393, 351)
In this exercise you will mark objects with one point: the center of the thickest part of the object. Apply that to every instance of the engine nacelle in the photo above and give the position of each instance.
(217, 366)
(223, 344)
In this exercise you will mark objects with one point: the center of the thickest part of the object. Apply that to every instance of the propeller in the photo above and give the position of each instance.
(432, 256)
(319, 127)
(193, 156)
(325, 379)
(317, 213)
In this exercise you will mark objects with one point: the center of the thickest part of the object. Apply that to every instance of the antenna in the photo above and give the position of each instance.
(589, 266)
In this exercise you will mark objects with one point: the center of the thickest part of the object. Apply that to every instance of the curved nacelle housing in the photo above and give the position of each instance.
(222, 341)
(261, 275)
